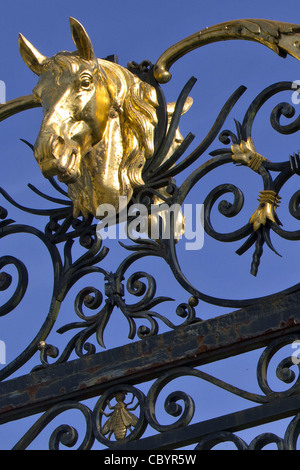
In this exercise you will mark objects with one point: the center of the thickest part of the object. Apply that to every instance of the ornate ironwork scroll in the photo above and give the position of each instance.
(111, 137)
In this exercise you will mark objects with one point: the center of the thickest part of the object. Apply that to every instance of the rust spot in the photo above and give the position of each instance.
(32, 391)
(290, 322)
(93, 370)
(203, 348)
(82, 386)
(7, 408)
(200, 339)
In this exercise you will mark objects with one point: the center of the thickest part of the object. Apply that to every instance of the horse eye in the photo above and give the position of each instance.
(85, 82)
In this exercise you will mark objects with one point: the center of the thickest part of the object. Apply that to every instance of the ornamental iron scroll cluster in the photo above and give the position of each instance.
(143, 158)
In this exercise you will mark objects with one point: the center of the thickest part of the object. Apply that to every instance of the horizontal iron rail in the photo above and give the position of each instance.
(199, 343)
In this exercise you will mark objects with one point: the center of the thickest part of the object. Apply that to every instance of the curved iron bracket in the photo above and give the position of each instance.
(282, 38)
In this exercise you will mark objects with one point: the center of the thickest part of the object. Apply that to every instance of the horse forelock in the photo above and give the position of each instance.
(70, 61)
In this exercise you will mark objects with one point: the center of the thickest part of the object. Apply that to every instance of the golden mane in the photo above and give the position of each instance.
(136, 101)
(133, 103)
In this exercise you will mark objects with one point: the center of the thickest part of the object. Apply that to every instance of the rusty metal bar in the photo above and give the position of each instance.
(231, 334)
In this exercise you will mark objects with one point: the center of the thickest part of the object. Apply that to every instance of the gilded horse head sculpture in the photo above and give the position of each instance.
(98, 125)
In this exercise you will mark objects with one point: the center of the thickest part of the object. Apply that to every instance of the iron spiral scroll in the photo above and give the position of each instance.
(123, 415)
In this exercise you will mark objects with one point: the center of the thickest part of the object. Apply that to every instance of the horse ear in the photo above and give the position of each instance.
(31, 56)
(81, 40)
(171, 106)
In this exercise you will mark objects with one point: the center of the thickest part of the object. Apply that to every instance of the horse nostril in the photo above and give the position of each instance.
(58, 146)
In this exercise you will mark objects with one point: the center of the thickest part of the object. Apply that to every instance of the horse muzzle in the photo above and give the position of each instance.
(56, 157)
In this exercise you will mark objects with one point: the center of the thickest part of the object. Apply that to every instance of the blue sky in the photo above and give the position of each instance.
(135, 30)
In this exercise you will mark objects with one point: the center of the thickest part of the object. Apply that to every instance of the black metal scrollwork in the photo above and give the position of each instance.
(288, 442)
(65, 434)
(63, 231)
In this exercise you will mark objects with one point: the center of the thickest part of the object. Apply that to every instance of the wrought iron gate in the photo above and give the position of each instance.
(125, 383)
